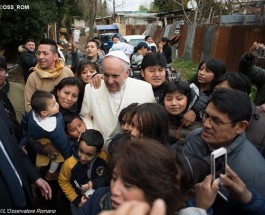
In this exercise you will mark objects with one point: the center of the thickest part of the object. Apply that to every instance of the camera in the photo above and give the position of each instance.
(260, 52)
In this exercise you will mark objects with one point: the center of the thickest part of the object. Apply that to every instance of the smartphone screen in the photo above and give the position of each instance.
(220, 166)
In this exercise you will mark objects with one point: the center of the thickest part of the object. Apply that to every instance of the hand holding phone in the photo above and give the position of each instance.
(87, 193)
(218, 163)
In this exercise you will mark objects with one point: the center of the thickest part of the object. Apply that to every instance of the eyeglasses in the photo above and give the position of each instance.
(213, 120)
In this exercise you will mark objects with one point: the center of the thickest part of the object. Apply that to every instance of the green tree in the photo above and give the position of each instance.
(19, 24)
(166, 5)
(143, 8)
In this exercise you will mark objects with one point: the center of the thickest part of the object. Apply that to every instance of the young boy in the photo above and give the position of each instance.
(74, 127)
(45, 123)
(84, 166)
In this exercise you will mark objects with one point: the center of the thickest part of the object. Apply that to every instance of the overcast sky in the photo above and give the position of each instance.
(130, 5)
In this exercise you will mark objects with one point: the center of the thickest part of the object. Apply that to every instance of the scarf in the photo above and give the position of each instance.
(51, 73)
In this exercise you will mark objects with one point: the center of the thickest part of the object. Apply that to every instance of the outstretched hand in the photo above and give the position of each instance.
(257, 49)
(45, 188)
(235, 186)
(96, 81)
(188, 118)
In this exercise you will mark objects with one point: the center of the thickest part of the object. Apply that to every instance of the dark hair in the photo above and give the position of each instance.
(180, 86)
(70, 81)
(214, 65)
(39, 100)
(98, 40)
(194, 170)
(149, 166)
(127, 110)
(82, 66)
(237, 81)
(94, 41)
(3, 63)
(153, 59)
(115, 36)
(29, 40)
(52, 43)
(93, 137)
(165, 39)
(69, 117)
(236, 104)
(146, 37)
(153, 121)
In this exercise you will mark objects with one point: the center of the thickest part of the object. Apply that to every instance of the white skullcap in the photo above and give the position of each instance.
(119, 54)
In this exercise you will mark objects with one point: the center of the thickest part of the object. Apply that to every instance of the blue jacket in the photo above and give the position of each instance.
(242, 157)
(58, 137)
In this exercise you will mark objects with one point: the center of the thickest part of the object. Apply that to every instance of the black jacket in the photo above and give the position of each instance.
(24, 167)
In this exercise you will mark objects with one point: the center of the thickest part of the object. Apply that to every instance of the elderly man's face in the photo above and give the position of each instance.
(218, 130)
(2, 77)
(115, 73)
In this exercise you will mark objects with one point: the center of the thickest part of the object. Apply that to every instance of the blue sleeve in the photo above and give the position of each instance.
(59, 138)
(92, 205)
(257, 204)
(191, 203)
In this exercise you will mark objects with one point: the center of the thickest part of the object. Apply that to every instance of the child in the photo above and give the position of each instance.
(85, 166)
(177, 98)
(45, 123)
(86, 70)
(124, 118)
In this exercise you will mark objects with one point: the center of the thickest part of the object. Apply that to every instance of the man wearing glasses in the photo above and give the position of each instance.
(225, 120)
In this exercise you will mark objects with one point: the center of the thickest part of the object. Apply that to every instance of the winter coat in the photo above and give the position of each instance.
(27, 60)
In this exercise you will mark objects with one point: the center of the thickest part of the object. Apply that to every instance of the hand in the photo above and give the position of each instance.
(261, 108)
(50, 149)
(236, 186)
(257, 49)
(96, 81)
(45, 188)
(88, 186)
(74, 49)
(32, 69)
(82, 202)
(188, 118)
(205, 193)
(139, 208)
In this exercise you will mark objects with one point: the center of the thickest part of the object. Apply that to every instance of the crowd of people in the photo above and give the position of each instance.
(110, 143)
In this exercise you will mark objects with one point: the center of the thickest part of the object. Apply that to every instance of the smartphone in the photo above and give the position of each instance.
(87, 193)
(218, 163)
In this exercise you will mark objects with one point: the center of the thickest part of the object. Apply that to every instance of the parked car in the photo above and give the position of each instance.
(134, 40)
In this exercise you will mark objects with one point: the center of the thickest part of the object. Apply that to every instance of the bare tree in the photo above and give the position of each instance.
(114, 6)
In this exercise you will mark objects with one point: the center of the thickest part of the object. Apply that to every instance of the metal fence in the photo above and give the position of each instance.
(227, 43)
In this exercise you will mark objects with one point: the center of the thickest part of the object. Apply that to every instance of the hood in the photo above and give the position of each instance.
(51, 73)
(22, 48)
